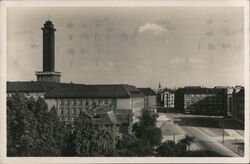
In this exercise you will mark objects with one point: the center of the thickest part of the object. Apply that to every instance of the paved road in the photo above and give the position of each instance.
(202, 140)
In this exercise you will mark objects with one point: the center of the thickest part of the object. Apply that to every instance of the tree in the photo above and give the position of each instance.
(87, 139)
(187, 140)
(32, 129)
(146, 129)
(21, 134)
(131, 146)
(172, 149)
(167, 149)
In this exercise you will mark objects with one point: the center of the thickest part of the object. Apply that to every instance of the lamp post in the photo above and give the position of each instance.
(222, 129)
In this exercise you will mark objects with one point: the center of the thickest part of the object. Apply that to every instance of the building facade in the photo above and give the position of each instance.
(166, 98)
(198, 100)
(150, 99)
(239, 105)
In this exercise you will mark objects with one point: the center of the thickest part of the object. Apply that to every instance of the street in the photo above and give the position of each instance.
(176, 126)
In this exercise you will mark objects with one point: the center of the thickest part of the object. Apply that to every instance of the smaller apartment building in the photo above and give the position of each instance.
(166, 98)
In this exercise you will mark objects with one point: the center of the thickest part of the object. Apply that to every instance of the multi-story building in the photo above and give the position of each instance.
(71, 99)
(149, 99)
(198, 100)
(166, 98)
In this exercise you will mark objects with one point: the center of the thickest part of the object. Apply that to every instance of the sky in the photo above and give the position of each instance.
(142, 46)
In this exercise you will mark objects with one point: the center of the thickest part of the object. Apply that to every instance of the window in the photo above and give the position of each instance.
(67, 102)
(79, 102)
(73, 118)
(61, 111)
(73, 102)
(66, 119)
(73, 110)
(68, 111)
(61, 102)
(83, 102)
(79, 110)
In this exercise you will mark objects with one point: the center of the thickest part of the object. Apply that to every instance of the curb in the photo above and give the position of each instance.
(230, 148)
(240, 133)
(205, 132)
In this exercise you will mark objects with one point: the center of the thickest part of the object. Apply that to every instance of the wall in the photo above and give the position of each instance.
(151, 103)
(51, 103)
(239, 106)
(124, 103)
(137, 107)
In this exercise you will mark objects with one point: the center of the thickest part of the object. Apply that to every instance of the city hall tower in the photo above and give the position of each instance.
(48, 74)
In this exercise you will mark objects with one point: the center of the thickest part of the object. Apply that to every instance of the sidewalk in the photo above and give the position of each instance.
(235, 146)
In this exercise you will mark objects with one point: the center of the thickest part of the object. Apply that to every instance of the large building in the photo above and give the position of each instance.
(198, 100)
(222, 101)
(71, 99)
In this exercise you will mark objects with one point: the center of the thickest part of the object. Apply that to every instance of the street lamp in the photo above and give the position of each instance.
(222, 129)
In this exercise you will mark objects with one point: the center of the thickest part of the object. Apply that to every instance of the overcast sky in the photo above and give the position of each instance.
(142, 46)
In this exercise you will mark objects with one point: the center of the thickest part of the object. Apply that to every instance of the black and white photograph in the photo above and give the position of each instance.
(104, 80)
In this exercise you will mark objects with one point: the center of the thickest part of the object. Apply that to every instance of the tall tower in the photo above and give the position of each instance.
(48, 74)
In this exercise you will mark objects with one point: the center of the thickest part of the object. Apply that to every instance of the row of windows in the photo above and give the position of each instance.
(200, 95)
(85, 102)
(27, 94)
(203, 107)
(67, 119)
(206, 100)
(71, 110)
(218, 104)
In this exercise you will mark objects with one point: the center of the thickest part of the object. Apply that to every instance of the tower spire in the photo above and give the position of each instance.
(159, 86)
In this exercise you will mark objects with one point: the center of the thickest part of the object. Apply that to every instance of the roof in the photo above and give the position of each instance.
(70, 90)
(32, 86)
(93, 91)
(201, 90)
(147, 91)
(102, 118)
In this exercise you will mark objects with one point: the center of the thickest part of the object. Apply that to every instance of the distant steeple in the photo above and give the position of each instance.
(159, 86)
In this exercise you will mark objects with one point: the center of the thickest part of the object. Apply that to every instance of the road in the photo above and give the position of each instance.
(202, 140)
